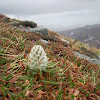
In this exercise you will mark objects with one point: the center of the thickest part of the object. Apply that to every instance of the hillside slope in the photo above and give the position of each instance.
(67, 76)
(88, 34)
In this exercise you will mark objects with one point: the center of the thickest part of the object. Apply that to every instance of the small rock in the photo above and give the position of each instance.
(65, 40)
(89, 53)
(90, 59)
(20, 26)
(25, 24)
(15, 23)
(44, 41)
(44, 31)
(28, 24)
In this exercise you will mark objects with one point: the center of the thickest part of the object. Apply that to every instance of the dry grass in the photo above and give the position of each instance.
(76, 46)
(79, 79)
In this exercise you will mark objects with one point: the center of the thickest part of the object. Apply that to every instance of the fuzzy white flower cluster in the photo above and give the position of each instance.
(37, 58)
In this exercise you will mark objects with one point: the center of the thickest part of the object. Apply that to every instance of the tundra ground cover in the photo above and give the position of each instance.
(80, 79)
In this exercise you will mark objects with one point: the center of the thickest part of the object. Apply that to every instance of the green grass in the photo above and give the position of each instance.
(69, 78)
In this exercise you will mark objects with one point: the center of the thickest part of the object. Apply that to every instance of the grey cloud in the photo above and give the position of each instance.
(53, 13)
(44, 6)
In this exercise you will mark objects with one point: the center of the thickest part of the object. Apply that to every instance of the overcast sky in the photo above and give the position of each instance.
(54, 14)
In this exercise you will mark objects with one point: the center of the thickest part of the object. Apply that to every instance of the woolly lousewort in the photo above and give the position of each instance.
(38, 58)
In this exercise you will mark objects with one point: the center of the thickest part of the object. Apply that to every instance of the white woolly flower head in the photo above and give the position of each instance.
(37, 58)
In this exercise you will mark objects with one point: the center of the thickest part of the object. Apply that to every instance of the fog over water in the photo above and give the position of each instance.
(54, 14)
